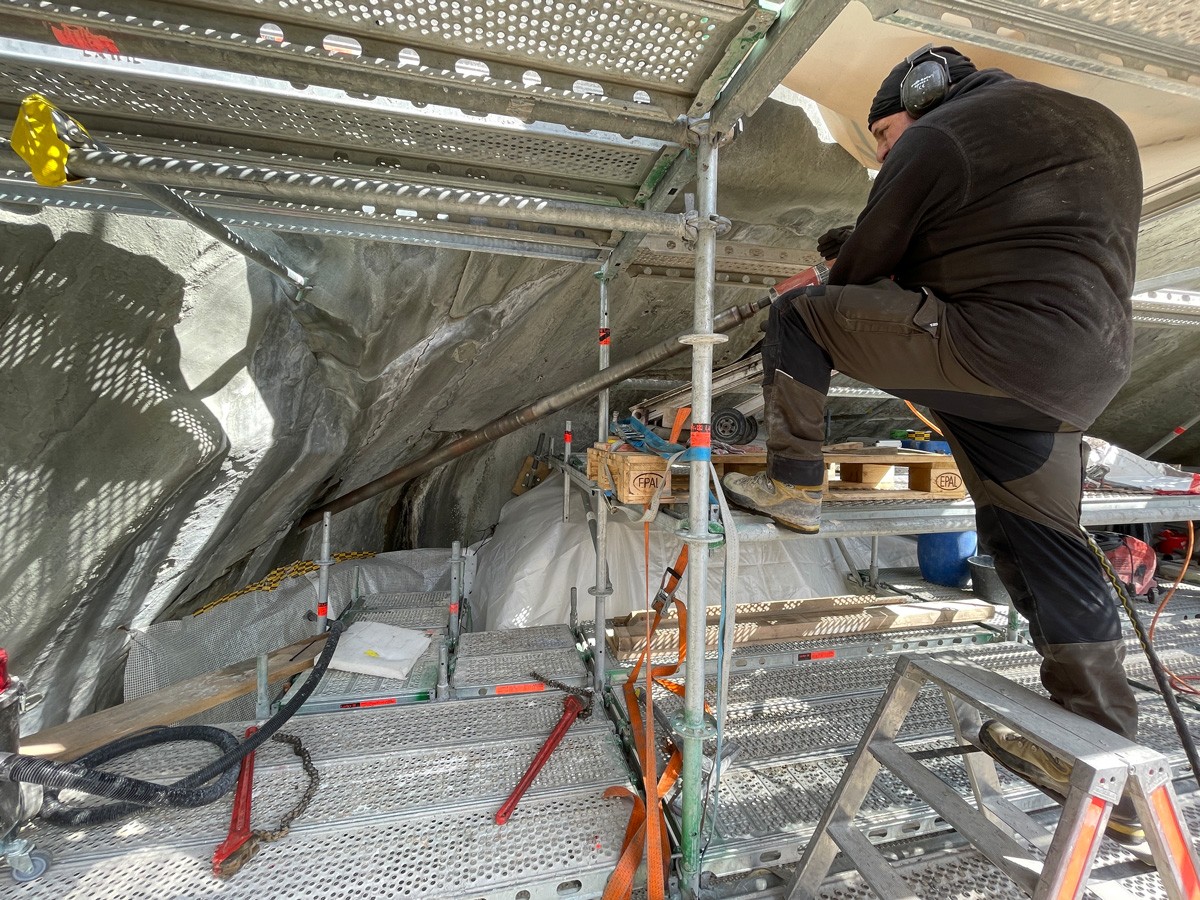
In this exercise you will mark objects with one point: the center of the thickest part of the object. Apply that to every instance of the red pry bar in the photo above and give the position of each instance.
(239, 824)
(572, 707)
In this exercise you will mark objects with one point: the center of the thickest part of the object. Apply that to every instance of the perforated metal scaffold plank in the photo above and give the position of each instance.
(218, 110)
(500, 673)
(627, 65)
(404, 809)
(1150, 42)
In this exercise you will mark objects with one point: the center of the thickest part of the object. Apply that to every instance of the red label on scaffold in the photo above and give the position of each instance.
(817, 654)
(82, 38)
(701, 436)
(530, 687)
(363, 704)
(605, 336)
(566, 437)
(322, 609)
(454, 609)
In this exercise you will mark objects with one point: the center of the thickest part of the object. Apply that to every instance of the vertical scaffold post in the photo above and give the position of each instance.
(600, 591)
(691, 727)
(456, 567)
(566, 480)
(604, 277)
(326, 560)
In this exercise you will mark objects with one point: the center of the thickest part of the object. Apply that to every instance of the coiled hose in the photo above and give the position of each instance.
(135, 793)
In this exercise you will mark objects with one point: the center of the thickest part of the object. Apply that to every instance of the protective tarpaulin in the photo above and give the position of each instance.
(528, 567)
(262, 621)
(1110, 466)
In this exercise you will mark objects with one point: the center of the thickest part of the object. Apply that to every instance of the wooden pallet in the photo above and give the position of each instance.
(639, 476)
(869, 474)
(850, 475)
(793, 620)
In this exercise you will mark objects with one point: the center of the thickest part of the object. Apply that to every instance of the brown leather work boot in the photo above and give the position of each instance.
(1043, 769)
(795, 507)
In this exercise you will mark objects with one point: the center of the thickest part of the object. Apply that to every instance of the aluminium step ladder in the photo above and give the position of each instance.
(1104, 765)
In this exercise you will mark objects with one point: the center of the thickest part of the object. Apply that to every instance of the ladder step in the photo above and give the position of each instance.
(1016, 861)
(870, 863)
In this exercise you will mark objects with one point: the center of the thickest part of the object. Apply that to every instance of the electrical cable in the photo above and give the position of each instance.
(1181, 683)
(1156, 666)
(135, 793)
(917, 413)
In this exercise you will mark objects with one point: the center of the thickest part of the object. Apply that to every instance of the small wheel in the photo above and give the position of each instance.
(40, 862)
(751, 430)
(729, 425)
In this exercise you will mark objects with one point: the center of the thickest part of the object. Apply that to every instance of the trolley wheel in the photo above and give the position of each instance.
(729, 425)
(751, 430)
(40, 861)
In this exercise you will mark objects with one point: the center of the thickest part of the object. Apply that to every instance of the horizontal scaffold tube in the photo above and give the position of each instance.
(340, 190)
(526, 415)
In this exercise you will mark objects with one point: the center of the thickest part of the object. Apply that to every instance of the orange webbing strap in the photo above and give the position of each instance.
(646, 833)
(681, 416)
(655, 825)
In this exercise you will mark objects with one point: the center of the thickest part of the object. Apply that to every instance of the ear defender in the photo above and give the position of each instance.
(926, 83)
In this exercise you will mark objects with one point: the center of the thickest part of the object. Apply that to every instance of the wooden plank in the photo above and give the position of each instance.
(169, 705)
(760, 629)
(775, 608)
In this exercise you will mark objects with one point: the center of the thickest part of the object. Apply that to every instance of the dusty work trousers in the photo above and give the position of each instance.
(1023, 468)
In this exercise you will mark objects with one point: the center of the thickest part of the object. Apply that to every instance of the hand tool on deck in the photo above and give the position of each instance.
(572, 707)
(239, 824)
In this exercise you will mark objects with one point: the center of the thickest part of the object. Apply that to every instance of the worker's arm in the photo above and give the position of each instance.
(925, 175)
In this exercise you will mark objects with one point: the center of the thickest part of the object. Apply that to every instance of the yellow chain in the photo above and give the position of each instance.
(277, 576)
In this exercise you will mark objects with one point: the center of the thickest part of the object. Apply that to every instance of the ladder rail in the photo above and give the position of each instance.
(1104, 765)
(852, 789)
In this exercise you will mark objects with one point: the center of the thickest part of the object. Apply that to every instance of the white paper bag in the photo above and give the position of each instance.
(373, 648)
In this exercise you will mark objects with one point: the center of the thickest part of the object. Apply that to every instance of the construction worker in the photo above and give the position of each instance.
(988, 278)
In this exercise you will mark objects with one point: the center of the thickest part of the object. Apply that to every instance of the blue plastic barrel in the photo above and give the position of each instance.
(943, 557)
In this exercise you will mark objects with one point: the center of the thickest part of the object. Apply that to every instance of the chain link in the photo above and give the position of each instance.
(584, 694)
(234, 862)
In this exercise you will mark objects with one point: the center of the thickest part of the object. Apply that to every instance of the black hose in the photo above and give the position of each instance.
(134, 793)
(1156, 666)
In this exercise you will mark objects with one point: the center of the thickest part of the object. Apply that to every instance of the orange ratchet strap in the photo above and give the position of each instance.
(647, 832)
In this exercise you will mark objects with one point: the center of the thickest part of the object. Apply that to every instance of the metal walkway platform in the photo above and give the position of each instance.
(797, 713)
(404, 809)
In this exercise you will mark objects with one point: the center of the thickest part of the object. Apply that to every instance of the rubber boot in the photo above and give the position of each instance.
(1089, 680)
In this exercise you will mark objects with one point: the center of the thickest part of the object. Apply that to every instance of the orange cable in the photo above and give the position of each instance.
(917, 413)
(1181, 683)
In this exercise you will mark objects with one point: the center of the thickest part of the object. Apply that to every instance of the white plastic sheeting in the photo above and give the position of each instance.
(262, 621)
(1112, 466)
(528, 567)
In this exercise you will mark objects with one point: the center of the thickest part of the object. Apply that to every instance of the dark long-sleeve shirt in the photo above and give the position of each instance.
(1017, 204)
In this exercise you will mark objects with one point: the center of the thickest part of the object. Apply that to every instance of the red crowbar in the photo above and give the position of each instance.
(572, 707)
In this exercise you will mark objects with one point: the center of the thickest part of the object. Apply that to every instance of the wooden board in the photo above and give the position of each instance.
(872, 616)
(869, 474)
(770, 608)
(530, 477)
(169, 705)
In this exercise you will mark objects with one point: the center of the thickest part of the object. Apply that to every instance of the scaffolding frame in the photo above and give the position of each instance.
(614, 139)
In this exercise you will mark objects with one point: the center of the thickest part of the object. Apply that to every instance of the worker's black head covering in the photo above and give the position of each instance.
(887, 100)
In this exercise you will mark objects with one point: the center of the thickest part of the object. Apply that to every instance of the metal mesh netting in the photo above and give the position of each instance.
(262, 621)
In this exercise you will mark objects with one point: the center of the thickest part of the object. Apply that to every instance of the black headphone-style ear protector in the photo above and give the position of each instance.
(926, 83)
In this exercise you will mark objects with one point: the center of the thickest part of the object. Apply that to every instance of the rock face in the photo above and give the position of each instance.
(169, 414)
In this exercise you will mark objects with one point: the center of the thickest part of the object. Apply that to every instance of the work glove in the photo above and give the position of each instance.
(829, 245)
